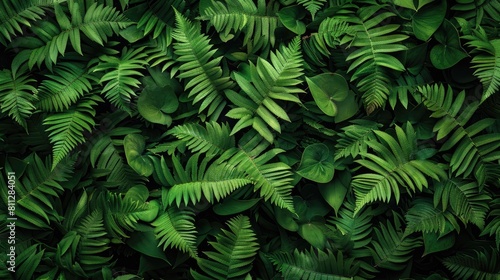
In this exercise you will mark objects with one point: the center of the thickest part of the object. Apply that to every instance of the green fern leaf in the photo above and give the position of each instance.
(391, 249)
(355, 228)
(235, 250)
(212, 140)
(266, 84)
(37, 191)
(68, 84)
(120, 77)
(273, 179)
(198, 181)
(482, 265)
(15, 96)
(393, 166)
(16, 13)
(27, 261)
(66, 129)
(371, 61)
(195, 54)
(424, 217)
(314, 265)
(329, 34)
(464, 198)
(313, 6)
(78, 251)
(259, 22)
(473, 152)
(493, 226)
(97, 22)
(175, 228)
(106, 156)
(486, 61)
(353, 140)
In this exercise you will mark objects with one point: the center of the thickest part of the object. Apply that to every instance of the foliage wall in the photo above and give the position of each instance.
(251, 139)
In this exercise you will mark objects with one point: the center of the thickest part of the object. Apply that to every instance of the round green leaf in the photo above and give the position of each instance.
(313, 234)
(285, 219)
(291, 16)
(150, 213)
(335, 191)
(346, 108)
(449, 52)
(317, 164)
(427, 20)
(433, 243)
(327, 90)
(155, 103)
(134, 145)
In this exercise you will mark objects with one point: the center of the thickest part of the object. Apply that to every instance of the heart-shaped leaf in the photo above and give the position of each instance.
(327, 90)
(134, 145)
(313, 234)
(448, 52)
(427, 20)
(291, 16)
(317, 164)
(155, 103)
(335, 191)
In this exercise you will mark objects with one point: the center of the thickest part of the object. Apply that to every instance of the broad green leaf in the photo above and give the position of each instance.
(155, 103)
(347, 108)
(150, 213)
(146, 243)
(291, 19)
(427, 20)
(317, 163)
(434, 242)
(285, 219)
(449, 52)
(134, 145)
(327, 90)
(231, 206)
(405, 4)
(313, 234)
(335, 191)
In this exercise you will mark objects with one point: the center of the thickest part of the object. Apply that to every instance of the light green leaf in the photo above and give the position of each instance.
(134, 145)
(155, 103)
(327, 90)
(426, 21)
(317, 164)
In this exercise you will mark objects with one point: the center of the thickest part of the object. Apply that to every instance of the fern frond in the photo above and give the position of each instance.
(156, 18)
(259, 22)
(197, 62)
(493, 225)
(394, 165)
(313, 6)
(314, 264)
(105, 155)
(391, 249)
(16, 14)
(79, 249)
(97, 23)
(329, 34)
(473, 152)
(120, 76)
(64, 88)
(273, 179)
(17, 96)
(175, 229)
(353, 140)
(235, 250)
(372, 61)
(486, 61)
(355, 228)
(66, 128)
(468, 203)
(190, 184)
(27, 261)
(424, 217)
(267, 84)
(212, 140)
(36, 192)
(118, 213)
(482, 264)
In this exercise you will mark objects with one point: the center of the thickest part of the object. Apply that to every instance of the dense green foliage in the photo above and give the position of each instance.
(251, 139)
